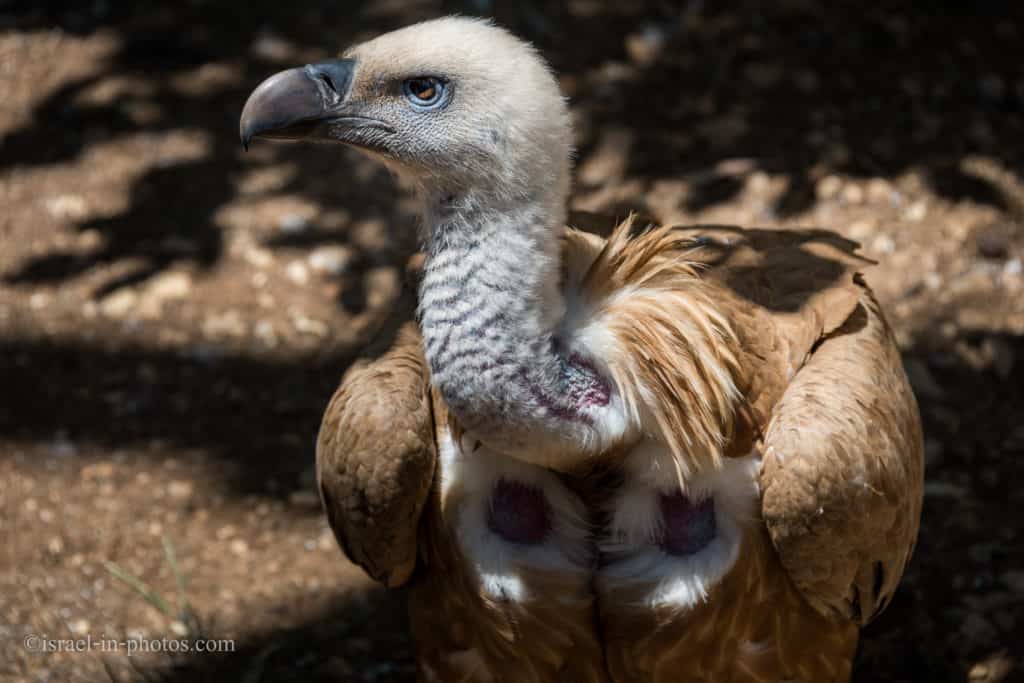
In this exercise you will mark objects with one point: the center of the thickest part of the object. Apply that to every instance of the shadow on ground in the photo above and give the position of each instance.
(803, 89)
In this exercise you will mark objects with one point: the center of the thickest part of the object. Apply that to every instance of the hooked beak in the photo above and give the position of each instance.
(298, 103)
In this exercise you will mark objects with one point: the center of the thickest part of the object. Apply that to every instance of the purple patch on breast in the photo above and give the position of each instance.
(519, 513)
(687, 527)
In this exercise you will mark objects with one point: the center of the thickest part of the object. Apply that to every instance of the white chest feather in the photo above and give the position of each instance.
(512, 518)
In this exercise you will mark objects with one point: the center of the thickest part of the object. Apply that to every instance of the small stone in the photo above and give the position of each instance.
(239, 547)
(46, 516)
(89, 239)
(883, 244)
(293, 224)
(880, 191)
(310, 326)
(645, 46)
(38, 301)
(852, 194)
(264, 332)
(297, 272)
(916, 211)
(226, 324)
(67, 206)
(179, 489)
(994, 668)
(257, 256)
(79, 627)
(170, 286)
(828, 187)
(118, 303)
(993, 241)
(55, 545)
(331, 260)
(178, 628)
(1013, 267)
(272, 48)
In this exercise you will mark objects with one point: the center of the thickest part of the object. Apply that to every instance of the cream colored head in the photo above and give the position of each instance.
(455, 104)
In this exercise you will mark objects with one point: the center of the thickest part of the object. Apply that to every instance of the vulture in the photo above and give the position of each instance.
(668, 454)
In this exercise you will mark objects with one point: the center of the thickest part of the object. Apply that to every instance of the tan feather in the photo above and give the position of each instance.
(676, 360)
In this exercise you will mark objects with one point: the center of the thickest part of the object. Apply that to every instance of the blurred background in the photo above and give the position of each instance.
(174, 313)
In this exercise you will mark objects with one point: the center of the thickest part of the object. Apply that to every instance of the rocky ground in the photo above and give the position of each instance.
(175, 313)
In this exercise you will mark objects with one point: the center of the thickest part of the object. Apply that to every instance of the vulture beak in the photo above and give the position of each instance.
(298, 103)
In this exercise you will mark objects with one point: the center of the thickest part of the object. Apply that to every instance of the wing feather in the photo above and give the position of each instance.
(376, 455)
(842, 476)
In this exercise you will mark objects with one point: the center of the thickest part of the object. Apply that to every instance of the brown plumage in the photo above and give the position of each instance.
(373, 503)
(821, 394)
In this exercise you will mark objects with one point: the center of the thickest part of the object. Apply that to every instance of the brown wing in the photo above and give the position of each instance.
(843, 469)
(843, 455)
(376, 455)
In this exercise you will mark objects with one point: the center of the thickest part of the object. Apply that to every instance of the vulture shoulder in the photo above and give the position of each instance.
(843, 468)
(376, 455)
(832, 411)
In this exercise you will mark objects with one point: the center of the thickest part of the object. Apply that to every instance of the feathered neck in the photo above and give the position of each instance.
(490, 302)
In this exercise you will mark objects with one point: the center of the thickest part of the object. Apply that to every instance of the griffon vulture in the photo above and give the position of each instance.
(672, 455)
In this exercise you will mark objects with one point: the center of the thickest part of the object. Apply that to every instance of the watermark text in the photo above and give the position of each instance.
(45, 644)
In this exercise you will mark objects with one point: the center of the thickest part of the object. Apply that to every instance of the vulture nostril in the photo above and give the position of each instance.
(329, 83)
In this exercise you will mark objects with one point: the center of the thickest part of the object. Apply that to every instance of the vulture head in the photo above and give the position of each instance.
(474, 118)
(457, 105)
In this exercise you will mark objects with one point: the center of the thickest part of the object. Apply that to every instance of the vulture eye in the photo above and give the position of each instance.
(426, 92)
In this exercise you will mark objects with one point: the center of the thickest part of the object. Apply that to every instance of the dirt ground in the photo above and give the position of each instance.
(174, 313)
